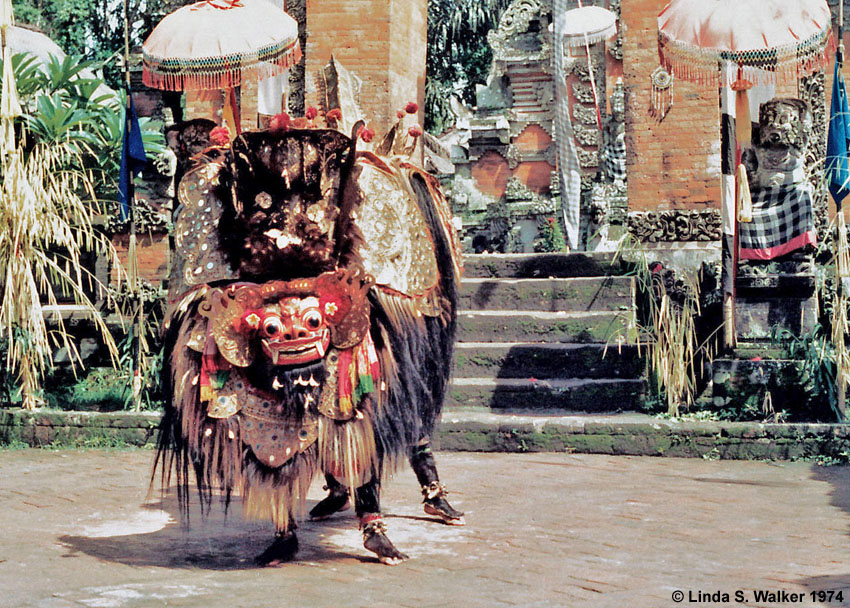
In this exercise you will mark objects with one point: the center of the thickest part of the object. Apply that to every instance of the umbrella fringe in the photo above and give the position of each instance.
(592, 38)
(195, 74)
(785, 64)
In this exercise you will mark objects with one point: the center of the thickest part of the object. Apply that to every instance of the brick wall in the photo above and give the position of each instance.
(381, 41)
(151, 253)
(674, 164)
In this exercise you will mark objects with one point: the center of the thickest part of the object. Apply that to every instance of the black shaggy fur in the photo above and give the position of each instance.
(414, 350)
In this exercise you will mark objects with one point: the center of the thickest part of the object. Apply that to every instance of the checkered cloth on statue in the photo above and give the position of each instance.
(783, 221)
(614, 158)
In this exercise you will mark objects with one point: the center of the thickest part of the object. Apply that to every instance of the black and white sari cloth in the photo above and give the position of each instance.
(783, 221)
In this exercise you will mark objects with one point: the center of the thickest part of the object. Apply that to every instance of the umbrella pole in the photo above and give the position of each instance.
(592, 79)
(729, 243)
(841, 34)
(135, 292)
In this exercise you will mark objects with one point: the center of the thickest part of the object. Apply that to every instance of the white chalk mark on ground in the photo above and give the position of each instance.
(143, 521)
(116, 596)
(410, 530)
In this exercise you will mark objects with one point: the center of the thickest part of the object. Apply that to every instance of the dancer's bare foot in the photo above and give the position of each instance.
(375, 539)
(437, 505)
(282, 550)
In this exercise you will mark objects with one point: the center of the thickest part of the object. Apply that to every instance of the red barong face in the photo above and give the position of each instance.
(292, 332)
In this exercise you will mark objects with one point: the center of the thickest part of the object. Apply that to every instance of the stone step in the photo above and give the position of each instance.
(538, 326)
(540, 265)
(536, 360)
(482, 430)
(586, 395)
(633, 433)
(570, 294)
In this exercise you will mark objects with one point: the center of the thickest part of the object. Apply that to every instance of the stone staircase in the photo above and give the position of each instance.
(532, 336)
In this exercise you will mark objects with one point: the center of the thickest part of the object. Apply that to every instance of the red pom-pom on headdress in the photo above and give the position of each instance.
(335, 114)
(411, 107)
(220, 136)
(280, 123)
(415, 131)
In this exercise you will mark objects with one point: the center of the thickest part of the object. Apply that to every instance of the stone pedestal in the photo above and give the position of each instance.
(773, 296)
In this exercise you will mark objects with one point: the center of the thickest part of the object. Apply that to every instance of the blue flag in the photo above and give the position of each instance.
(133, 158)
(838, 140)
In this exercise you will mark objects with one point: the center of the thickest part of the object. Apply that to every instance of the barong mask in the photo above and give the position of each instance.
(290, 322)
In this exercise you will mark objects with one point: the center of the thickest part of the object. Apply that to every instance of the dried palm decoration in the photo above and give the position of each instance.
(840, 327)
(45, 227)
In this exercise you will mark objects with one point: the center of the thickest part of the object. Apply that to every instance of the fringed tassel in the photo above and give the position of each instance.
(347, 450)
(661, 95)
(215, 73)
(214, 371)
(281, 494)
(358, 374)
(765, 66)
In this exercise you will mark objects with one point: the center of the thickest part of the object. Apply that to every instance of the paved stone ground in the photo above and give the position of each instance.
(543, 530)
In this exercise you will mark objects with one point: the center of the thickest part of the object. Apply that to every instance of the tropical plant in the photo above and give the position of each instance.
(551, 236)
(458, 54)
(140, 349)
(64, 106)
(66, 161)
(45, 226)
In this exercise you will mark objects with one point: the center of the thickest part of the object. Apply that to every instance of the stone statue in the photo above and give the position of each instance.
(778, 154)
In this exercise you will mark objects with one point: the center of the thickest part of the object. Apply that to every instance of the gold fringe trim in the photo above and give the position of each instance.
(347, 450)
(264, 496)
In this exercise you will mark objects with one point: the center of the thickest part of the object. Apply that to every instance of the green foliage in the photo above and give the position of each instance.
(62, 106)
(817, 371)
(93, 29)
(101, 389)
(65, 160)
(145, 353)
(458, 54)
(551, 236)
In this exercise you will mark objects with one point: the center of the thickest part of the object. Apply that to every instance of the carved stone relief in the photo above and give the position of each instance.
(512, 39)
(586, 136)
(555, 183)
(609, 203)
(297, 9)
(812, 90)
(583, 92)
(148, 219)
(585, 115)
(675, 225)
(615, 47)
(515, 190)
(513, 156)
(580, 70)
(588, 158)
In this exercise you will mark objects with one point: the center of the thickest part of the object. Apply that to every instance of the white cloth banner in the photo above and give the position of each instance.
(569, 171)
(270, 91)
